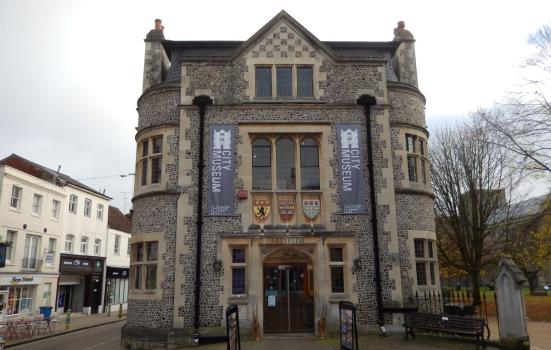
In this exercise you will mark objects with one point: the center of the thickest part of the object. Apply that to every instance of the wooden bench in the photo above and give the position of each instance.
(458, 325)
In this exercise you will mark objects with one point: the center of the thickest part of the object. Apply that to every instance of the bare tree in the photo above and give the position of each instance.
(523, 122)
(471, 181)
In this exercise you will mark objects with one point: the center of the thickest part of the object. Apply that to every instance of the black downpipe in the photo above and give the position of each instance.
(202, 102)
(367, 102)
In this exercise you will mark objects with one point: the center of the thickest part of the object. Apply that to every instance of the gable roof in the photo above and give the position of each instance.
(46, 174)
(118, 221)
(230, 50)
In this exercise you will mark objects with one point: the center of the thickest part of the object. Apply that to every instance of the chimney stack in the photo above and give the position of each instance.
(404, 61)
(156, 62)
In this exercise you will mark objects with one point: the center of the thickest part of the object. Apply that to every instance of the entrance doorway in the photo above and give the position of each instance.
(288, 293)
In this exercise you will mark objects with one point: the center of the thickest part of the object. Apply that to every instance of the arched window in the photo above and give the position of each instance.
(285, 164)
(262, 165)
(309, 165)
(69, 239)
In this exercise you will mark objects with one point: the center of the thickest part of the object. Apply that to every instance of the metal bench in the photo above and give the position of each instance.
(458, 325)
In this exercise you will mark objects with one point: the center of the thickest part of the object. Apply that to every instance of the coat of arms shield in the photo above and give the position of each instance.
(262, 209)
(311, 208)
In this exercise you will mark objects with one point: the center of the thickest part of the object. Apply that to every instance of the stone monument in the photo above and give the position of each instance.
(509, 284)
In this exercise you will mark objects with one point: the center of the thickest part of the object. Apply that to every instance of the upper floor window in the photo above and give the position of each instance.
(37, 204)
(16, 193)
(55, 209)
(417, 161)
(291, 81)
(143, 269)
(73, 204)
(84, 245)
(150, 164)
(10, 249)
(100, 212)
(97, 246)
(286, 162)
(69, 239)
(87, 207)
(117, 245)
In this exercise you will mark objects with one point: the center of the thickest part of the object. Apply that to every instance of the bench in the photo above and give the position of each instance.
(458, 325)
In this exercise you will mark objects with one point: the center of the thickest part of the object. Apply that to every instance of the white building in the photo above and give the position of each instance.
(57, 228)
(118, 259)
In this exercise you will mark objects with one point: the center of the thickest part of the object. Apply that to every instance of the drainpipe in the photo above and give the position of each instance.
(367, 101)
(202, 102)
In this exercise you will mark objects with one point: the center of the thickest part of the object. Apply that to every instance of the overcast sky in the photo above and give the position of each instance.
(71, 70)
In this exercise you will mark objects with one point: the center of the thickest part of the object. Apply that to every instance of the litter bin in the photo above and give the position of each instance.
(46, 311)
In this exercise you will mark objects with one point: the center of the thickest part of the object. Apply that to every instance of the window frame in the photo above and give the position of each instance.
(426, 262)
(139, 268)
(16, 196)
(56, 207)
(117, 245)
(10, 249)
(274, 86)
(73, 203)
(239, 266)
(99, 212)
(417, 162)
(97, 247)
(151, 153)
(69, 241)
(87, 207)
(37, 204)
(337, 264)
(84, 242)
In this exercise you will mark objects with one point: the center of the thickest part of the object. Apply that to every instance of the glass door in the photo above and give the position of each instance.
(288, 299)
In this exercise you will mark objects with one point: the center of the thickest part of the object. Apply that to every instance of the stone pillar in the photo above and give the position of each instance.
(156, 62)
(404, 61)
(509, 283)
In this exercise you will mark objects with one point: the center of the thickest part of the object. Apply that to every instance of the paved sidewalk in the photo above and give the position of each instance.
(539, 333)
(78, 321)
(375, 342)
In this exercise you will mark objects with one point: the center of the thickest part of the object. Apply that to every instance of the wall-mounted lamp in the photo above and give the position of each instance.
(217, 265)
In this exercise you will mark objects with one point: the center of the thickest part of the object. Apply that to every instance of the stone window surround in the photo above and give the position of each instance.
(340, 264)
(17, 198)
(419, 185)
(149, 135)
(148, 294)
(294, 82)
(37, 205)
(424, 235)
(250, 77)
(244, 265)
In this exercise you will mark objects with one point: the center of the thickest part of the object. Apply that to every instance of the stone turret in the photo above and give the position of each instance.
(156, 62)
(404, 59)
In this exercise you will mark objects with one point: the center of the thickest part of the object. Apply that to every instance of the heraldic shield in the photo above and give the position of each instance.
(262, 209)
(311, 208)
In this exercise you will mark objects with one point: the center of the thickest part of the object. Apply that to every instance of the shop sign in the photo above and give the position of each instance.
(286, 209)
(117, 272)
(19, 280)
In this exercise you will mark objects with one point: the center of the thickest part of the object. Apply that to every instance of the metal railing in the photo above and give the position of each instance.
(31, 264)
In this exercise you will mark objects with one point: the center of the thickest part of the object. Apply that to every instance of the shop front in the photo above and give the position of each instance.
(116, 288)
(80, 284)
(23, 294)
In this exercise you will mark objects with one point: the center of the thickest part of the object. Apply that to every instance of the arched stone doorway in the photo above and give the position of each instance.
(288, 291)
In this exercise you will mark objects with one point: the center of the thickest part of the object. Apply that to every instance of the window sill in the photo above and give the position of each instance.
(335, 298)
(17, 210)
(36, 215)
(283, 100)
(239, 299)
(54, 219)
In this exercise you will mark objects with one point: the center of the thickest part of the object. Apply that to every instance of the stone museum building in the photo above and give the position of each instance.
(283, 174)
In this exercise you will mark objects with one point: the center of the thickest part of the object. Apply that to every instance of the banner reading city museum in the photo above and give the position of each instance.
(221, 170)
(350, 168)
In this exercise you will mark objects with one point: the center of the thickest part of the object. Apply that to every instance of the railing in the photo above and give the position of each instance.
(32, 264)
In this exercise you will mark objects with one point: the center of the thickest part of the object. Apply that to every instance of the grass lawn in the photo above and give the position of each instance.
(538, 308)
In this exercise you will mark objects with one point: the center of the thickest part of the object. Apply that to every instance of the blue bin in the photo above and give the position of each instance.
(46, 311)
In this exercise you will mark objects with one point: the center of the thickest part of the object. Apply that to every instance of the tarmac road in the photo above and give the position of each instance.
(106, 337)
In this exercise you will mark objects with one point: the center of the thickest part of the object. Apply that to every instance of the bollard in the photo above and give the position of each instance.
(120, 310)
(2, 342)
(68, 319)
(109, 310)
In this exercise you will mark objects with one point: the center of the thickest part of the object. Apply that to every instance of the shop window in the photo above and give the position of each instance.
(336, 265)
(84, 245)
(55, 209)
(19, 300)
(37, 204)
(417, 162)
(97, 246)
(87, 207)
(69, 240)
(239, 270)
(11, 237)
(425, 261)
(150, 164)
(16, 193)
(144, 265)
(73, 204)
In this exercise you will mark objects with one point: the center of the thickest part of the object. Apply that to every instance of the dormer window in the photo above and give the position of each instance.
(284, 81)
